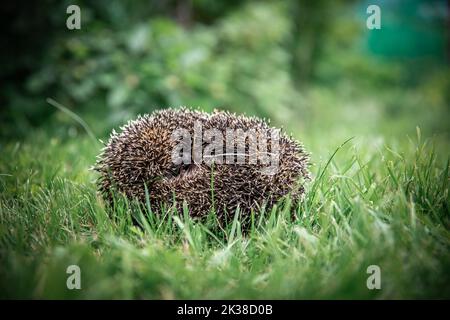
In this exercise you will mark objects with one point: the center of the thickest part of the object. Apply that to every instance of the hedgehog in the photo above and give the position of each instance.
(216, 162)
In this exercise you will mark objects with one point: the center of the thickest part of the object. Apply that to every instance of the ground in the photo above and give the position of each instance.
(379, 197)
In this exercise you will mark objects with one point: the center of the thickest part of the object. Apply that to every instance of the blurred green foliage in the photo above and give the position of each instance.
(266, 58)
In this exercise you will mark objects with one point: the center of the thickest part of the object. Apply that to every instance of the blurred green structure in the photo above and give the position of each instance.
(259, 57)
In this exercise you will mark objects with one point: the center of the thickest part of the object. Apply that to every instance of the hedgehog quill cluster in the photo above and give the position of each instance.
(141, 157)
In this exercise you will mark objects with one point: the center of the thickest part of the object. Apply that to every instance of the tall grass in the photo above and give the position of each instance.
(386, 206)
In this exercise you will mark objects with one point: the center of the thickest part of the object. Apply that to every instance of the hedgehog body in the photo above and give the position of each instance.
(140, 160)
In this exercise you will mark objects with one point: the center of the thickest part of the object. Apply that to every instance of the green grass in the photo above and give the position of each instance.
(369, 204)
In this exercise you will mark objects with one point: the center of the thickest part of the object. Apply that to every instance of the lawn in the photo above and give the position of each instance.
(379, 196)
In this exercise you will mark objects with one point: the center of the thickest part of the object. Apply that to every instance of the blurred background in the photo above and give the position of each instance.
(310, 66)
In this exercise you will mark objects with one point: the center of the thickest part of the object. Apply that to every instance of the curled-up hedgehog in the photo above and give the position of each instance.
(220, 161)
